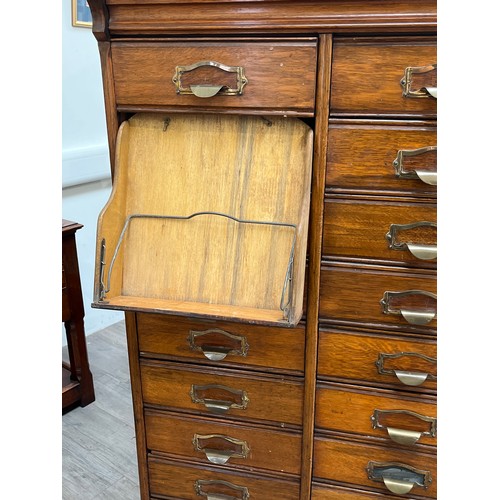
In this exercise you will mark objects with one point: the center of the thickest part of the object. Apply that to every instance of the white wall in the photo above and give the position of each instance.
(85, 159)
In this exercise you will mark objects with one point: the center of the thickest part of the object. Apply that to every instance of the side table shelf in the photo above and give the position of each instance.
(77, 381)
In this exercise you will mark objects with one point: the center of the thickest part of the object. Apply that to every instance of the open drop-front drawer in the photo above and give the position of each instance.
(208, 217)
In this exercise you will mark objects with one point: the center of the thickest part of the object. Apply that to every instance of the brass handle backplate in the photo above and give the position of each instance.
(216, 344)
(218, 398)
(220, 490)
(219, 449)
(204, 89)
(421, 316)
(425, 91)
(406, 377)
(398, 478)
(419, 250)
(403, 436)
(426, 176)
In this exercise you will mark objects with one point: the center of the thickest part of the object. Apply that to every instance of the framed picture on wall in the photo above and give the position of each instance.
(80, 13)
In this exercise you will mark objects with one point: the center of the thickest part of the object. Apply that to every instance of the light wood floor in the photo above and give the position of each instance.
(98, 441)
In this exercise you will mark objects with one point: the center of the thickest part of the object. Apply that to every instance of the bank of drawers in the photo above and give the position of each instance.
(375, 419)
(214, 414)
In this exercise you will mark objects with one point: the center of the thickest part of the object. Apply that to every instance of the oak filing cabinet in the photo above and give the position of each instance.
(340, 404)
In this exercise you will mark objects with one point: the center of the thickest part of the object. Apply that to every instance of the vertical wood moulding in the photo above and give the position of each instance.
(135, 377)
(109, 99)
(100, 29)
(325, 50)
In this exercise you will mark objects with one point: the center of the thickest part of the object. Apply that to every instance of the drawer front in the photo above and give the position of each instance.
(392, 418)
(361, 157)
(357, 295)
(218, 343)
(404, 233)
(230, 393)
(280, 75)
(386, 361)
(353, 459)
(367, 74)
(234, 446)
(185, 481)
(328, 492)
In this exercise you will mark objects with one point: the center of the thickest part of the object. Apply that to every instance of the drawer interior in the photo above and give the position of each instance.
(208, 216)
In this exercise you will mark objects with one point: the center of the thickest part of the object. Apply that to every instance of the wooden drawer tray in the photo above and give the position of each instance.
(330, 492)
(263, 75)
(367, 77)
(235, 446)
(208, 217)
(390, 231)
(379, 297)
(218, 343)
(392, 419)
(365, 465)
(379, 157)
(228, 393)
(194, 482)
(388, 361)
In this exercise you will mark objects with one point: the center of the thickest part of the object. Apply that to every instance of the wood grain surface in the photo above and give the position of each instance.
(349, 356)
(273, 400)
(351, 460)
(281, 75)
(361, 155)
(178, 479)
(269, 349)
(243, 167)
(270, 450)
(367, 73)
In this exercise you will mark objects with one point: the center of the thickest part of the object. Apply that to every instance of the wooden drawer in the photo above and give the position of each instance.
(329, 492)
(180, 480)
(392, 418)
(227, 344)
(377, 360)
(355, 295)
(235, 394)
(352, 461)
(253, 447)
(367, 74)
(361, 155)
(280, 74)
(390, 231)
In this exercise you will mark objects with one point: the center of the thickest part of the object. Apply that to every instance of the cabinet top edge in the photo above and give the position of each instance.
(168, 17)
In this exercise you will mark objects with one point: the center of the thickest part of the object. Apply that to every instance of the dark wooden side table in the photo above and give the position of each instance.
(77, 381)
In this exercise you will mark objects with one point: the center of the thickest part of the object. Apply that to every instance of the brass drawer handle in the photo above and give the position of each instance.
(425, 176)
(424, 91)
(216, 344)
(219, 449)
(209, 89)
(422, 316)
(398, 478)
(423, 252)
(208, 488)
(212, 397)
(411, 378)
(403, 436)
